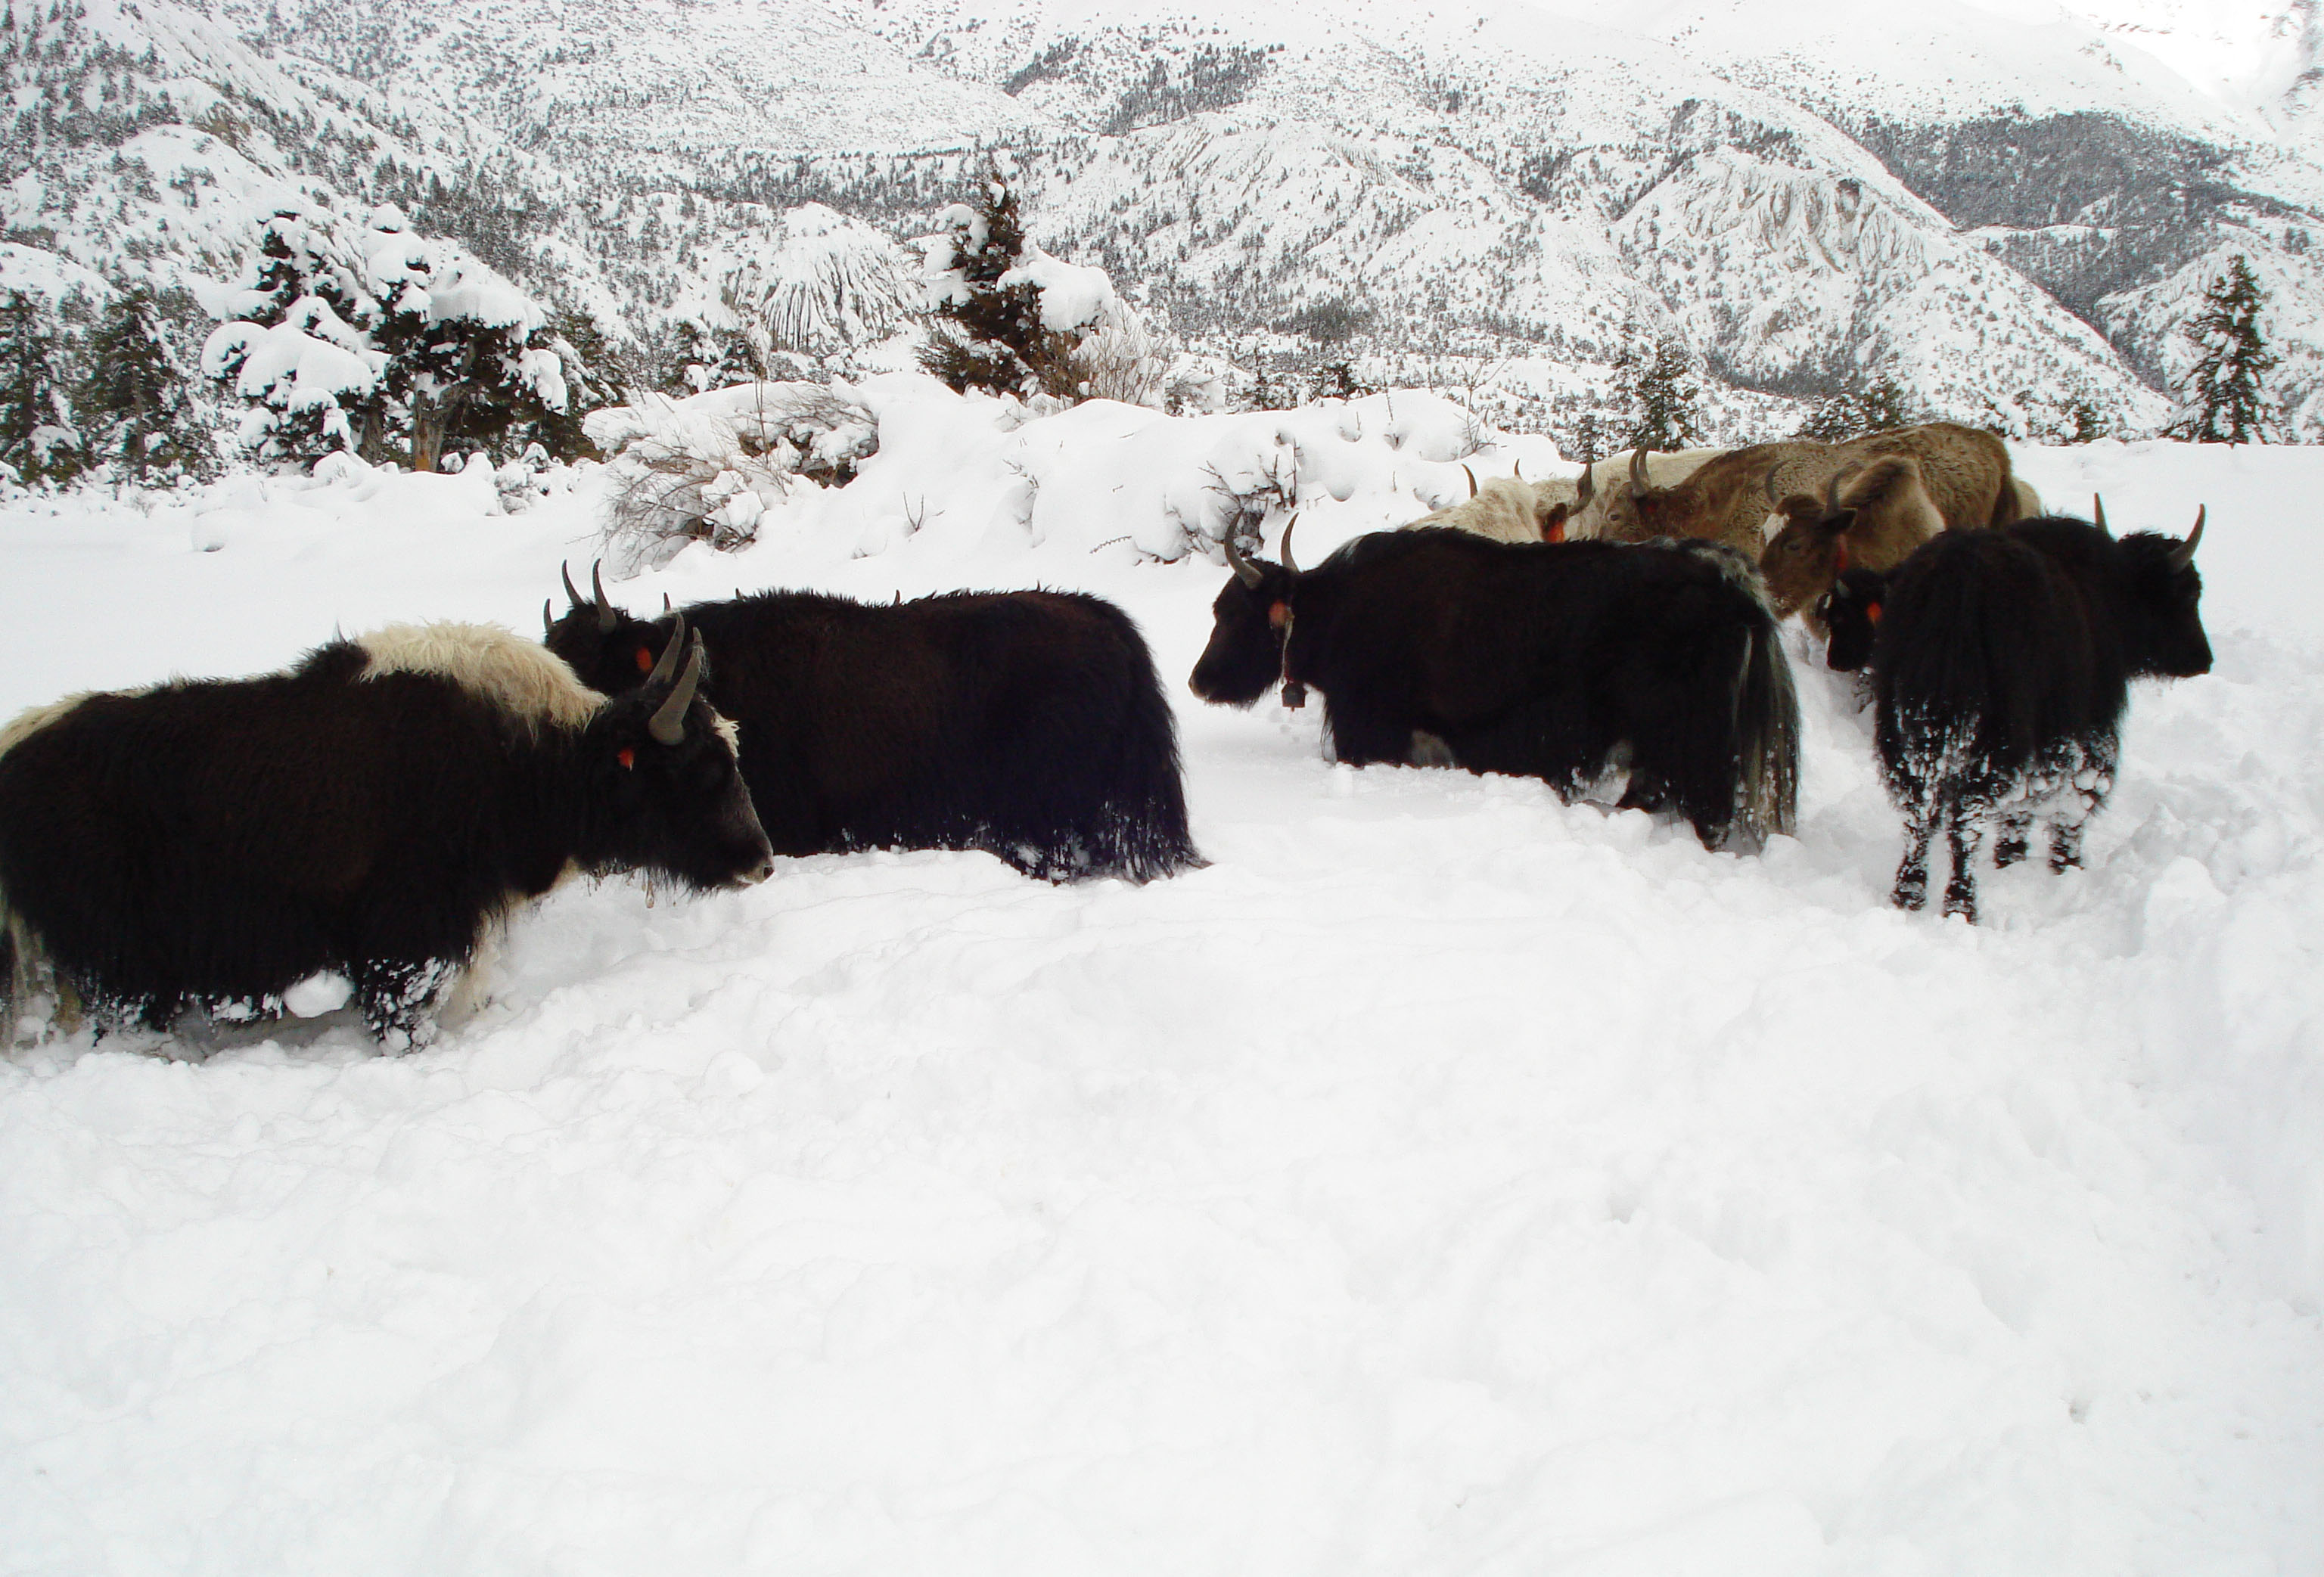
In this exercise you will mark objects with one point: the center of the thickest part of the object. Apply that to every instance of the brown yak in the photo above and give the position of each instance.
(1965, 471)
(1871, 516)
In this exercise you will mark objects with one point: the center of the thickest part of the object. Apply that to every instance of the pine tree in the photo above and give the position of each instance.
(38, 440)
(1856, 410)
(134, 399)
(1664, 395)
(2220, 400)
(988, 335)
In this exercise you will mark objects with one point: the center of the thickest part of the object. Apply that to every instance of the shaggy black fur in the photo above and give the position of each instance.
(1026, 724)
(2000, 671)
(1539, 658)
(213, 842)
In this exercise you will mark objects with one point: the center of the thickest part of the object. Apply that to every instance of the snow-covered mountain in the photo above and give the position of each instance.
(2008, 214)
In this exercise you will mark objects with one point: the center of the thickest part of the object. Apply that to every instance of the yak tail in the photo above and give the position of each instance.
(1766, 733)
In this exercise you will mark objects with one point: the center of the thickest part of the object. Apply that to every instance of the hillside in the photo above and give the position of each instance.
(2007, 220)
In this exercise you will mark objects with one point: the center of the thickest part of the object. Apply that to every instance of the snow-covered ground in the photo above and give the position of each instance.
(1444, 1181)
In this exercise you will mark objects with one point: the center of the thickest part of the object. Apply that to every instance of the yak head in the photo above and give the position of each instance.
(1810, 549)
(1850, 610)
(2162, 625)
(608, 648)
(665, 793)
(1249, 621)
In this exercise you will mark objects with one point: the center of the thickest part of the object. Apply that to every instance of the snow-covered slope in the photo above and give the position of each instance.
(2009, 215)
(1442, 1181)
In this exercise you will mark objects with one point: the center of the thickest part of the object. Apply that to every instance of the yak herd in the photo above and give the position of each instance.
(375, 811)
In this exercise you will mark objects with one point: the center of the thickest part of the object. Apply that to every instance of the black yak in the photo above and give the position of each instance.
(1554, 660)
(2001, 663)
(209, 843)
(1026, 723)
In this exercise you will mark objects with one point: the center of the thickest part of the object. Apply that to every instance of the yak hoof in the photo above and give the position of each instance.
(1430, 751)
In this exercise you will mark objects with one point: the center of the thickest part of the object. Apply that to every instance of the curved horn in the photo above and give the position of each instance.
(669, 663)
(572, 593)
(665, 601)
(1519, 471)
(1289, 563)
(1767, 486)
(2098, 511)
(1638, 471)
(668, 724)
(604, 604)
(548, 624)
(1831, 488)
(2183, 554)
(1471, 475)
(1247, 572)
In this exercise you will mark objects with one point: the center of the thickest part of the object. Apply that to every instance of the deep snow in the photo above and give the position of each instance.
(1445, 1180)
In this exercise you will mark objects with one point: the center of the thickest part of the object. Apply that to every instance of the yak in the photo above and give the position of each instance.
(375, 811)
(1506, 508)
(1026, 723)
(1966, 473)
(1598, 506)
(1553, 661)
(1871, 515)
(2001, 663)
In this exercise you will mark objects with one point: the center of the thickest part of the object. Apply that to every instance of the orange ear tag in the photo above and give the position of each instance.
(1840, 564)
(1872, 612)
(645, 660)
(627, 757)
(1556, 531)
(1279, 614)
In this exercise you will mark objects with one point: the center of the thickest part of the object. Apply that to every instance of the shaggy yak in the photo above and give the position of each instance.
(1554, 660)
(1965, 471)
(2001, 663)
(209, 843)
(1026, 723)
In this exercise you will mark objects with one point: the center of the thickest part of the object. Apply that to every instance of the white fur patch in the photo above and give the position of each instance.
(728, 732)
(522, 677)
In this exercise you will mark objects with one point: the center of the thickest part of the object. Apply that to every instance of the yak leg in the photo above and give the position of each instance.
(395, 999)
(2009, 847)
(1966, 834)
(2065, 845)
(1912, 888)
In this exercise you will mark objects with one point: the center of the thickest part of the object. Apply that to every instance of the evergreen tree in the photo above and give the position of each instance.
(134, 399)
(1856, 411)
(37, 438)
(1662, 394)
(988, 335)
(2220, 400)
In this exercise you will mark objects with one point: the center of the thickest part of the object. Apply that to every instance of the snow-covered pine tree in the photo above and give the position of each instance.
(988, 331)
(826, 287)
(2220, 398)
(1662, 394)
(133, 398)
(294, 346)
(1856, 410)
(38, 440)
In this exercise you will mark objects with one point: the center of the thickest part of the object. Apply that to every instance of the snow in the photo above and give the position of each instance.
(1443, 1180)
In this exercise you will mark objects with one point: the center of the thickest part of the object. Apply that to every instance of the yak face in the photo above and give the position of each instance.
(1850, 610)
(1806, 554)
(665, 782)
(2164, 634)
(611, 651)
(1249, 622)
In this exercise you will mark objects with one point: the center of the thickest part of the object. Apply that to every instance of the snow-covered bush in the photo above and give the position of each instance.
(374, 338)
(704, 469)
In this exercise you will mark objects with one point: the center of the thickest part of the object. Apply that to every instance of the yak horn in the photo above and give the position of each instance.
(548, 624)
(1519, 471)
(1767, 486)
(605, 614)
(2098, 511)
(1249, 574)
(2183, 554)
(1289, 563)
(667, 724)
(665, 601)
(1471, 475)
(572, 594)
(1831, 489)
(669, 663)
(1584, 488)
(1638, 471)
